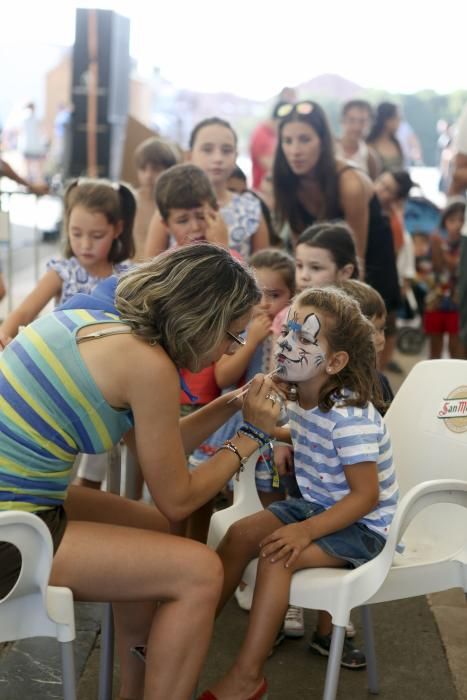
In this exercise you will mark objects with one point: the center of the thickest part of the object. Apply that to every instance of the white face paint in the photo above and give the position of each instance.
(299, 355)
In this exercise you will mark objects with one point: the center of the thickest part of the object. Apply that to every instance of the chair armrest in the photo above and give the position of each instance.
(32, 537)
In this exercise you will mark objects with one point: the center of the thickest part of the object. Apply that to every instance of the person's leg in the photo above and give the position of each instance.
(267, 498)
(270, 602)
(456, 349)
(240, 545)
(134, 569)
(198, 523)
(436, 345)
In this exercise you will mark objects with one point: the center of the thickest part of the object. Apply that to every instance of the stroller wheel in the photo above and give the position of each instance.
(410, 341)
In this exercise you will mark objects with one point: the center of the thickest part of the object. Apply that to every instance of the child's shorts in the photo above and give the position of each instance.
(439, 322)
(355, 544)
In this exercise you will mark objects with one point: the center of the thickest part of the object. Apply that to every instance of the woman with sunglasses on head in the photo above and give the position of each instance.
(312, 185)
(80, 379)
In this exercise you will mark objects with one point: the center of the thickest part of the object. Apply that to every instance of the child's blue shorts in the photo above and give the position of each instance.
(355, 544)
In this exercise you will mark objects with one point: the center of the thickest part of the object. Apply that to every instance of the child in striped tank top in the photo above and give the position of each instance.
(344, 469)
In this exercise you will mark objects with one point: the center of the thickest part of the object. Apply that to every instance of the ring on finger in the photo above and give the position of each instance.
(273, 398)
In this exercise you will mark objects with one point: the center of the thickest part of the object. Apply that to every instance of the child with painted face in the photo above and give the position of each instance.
(344, 470)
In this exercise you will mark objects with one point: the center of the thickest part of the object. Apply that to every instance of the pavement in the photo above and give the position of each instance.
(421, 642)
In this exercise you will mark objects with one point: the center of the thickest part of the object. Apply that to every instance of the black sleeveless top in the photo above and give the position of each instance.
(380, 257)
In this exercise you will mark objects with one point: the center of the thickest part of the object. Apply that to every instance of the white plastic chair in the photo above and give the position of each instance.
(431, 463)
(33, 608)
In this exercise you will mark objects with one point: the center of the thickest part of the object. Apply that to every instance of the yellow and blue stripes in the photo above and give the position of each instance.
(50, 410)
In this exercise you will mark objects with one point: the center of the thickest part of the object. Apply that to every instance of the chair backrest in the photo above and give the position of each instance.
(427, 422)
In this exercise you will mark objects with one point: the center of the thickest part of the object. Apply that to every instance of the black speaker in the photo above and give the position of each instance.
(98, 122)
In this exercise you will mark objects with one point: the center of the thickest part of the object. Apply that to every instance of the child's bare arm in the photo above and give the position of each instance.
(157, 239)
(48, 287)
(231, 368)
(260, 239)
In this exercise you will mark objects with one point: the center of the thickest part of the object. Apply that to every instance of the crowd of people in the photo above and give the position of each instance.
(170, 299)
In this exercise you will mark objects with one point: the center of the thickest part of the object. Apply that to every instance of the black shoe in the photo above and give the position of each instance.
(351, 657)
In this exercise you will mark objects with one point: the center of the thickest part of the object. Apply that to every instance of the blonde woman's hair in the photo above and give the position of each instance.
(185, 300)
(346, 328)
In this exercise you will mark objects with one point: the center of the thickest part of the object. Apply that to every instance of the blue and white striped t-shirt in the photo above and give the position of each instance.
(324, 443)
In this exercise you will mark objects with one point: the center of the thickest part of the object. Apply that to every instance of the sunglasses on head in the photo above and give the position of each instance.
(287, 108)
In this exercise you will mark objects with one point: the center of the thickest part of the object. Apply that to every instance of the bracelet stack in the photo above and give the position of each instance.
(228, 445)
(255, 433)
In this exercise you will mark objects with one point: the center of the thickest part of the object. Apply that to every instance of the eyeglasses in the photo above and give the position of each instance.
(305, 107)
(236, 338)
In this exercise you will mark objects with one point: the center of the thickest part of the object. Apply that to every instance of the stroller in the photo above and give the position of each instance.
(421, 217)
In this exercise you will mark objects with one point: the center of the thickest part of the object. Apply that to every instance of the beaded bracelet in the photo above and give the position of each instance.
(252, 430)
(259, 442)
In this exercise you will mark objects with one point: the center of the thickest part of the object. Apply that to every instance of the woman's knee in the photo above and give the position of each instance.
(206, 573)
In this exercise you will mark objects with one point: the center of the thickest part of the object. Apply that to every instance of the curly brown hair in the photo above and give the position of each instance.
(346, 329)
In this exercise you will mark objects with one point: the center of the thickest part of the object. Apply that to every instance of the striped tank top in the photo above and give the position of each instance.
(50, 410)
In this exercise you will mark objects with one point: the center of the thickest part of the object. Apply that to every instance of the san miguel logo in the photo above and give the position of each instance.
(453, 410)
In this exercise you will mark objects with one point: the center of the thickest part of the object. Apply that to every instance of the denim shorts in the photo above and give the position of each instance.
(355, 544)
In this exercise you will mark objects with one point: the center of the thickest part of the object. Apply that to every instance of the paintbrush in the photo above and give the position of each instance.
(245, 388)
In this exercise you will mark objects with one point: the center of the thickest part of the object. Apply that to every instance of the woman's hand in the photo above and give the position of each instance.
(287, 543)
(262, 403)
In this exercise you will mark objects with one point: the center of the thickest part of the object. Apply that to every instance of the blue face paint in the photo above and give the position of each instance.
(294, 326)
(299, 354)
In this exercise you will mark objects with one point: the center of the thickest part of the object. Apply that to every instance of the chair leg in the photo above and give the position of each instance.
(372, 669)
(334, 663)
(107, 655)
(68, 671)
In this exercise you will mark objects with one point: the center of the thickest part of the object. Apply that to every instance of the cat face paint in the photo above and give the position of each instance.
(299, 355)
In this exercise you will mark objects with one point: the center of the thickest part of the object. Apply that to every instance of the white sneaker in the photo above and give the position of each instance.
(293, 622)
(244, 597)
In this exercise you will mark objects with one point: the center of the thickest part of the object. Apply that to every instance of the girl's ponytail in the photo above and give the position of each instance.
(123, 247)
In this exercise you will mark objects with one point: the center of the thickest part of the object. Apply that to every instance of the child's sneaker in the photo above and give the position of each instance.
(293, 622)
(244, 597)
(351, 657)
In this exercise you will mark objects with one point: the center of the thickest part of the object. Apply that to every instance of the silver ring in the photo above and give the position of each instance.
(273, 398)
